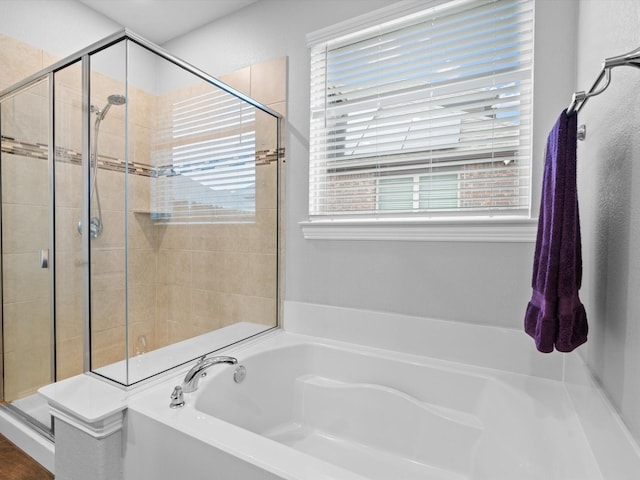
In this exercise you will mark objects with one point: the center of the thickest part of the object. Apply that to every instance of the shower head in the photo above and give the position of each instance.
(115, 99)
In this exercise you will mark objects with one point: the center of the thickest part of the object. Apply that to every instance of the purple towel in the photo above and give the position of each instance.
(555, 316)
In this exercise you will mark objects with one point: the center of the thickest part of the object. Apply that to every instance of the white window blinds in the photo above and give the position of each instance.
(425, 115)
(206, 161)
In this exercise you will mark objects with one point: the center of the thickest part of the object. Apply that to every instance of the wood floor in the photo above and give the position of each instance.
(17, 465)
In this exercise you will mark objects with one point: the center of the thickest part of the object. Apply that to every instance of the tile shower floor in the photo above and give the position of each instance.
(17, 465)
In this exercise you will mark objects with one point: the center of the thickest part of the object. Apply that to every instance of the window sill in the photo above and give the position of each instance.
(492, 230)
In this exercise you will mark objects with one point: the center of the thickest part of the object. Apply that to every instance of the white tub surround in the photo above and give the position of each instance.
(89, 416)
(505, 349)
(388, 415)
(317, 408)
(611, 442)
(494, 347)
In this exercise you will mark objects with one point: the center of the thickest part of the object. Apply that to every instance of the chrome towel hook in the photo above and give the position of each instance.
(630, 59)
(580, 98)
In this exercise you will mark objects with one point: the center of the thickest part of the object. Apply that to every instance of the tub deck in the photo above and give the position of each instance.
(319, 409)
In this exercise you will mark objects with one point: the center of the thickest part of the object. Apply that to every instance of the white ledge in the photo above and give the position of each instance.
(87, 403)
(99, 429)
(522, 230)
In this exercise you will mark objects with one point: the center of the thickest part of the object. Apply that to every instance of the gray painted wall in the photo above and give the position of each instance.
(60, 27)
(609, 189)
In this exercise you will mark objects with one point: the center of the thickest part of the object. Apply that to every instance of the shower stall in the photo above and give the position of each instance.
(140, 219)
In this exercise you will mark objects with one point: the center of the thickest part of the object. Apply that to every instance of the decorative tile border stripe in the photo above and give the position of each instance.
(104, 162)
(40, 151)
(265, 157)
(31, 150)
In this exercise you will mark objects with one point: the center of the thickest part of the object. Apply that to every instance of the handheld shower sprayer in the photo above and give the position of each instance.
(115, 99)
(95, 222)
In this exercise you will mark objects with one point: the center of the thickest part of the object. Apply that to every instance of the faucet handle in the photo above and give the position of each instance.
(177, 397)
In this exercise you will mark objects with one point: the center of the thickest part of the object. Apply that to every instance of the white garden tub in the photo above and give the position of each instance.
(317, 409)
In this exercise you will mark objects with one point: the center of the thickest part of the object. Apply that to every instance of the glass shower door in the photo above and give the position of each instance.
(27, 320)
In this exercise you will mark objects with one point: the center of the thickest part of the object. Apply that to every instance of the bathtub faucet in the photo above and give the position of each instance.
(190, 383)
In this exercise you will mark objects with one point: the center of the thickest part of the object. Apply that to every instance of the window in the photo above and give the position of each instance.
(427, 115)
(417, 192)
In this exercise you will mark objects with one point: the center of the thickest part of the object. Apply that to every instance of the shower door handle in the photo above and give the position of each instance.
(44, 258)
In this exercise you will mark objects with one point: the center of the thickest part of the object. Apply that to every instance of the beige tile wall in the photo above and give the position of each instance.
(210, 276)
(26, 292)
(19, 60)
(183, 280)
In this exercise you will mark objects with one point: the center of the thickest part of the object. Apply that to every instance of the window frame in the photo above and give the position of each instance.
(490, 228)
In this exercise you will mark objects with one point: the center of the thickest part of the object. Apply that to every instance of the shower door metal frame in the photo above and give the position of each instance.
(86, 213)
(47, 261)
(51, 257)
(84, 56)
